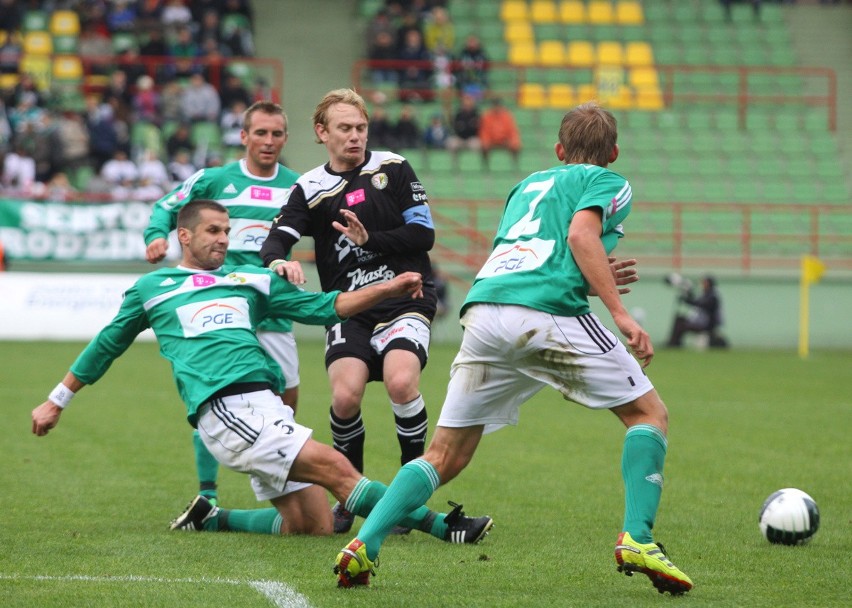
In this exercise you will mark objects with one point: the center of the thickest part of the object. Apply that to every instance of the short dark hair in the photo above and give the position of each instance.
(189, 215)
(264, 107)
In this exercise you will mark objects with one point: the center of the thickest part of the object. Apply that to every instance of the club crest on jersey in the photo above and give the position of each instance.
(379, 181)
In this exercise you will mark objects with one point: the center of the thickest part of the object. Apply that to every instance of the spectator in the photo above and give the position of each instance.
(58, 188)
(383, 49)
(170, 96)
(11, 52)
(465, 126)
(232, 124)
(380, 24)
(237, 36)
(179, 141)
(25, 115)
(703, 314)
(439, 30)
(150, 15)
(209, 26)
(200, 101)
(11, 15)
(130, 62)
(498, 130)
(118, 94)
(263, 91)
(154, 44)
(103, 138)
(154, 172)
(74, 141)
(175, 15)
(121, 16)
(120, 170)
(146, 101)
(19, 169)
(472, 74)
(381, 130)
(414, 78)
(437, 133)
(232, 90)
(409, 22)
(94, 48)
(406, 130)
(181, 167)
(27, 87)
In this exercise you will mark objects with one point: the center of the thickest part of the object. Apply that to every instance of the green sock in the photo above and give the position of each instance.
(367, 494)
(259, 521)
(413, 485)
(642, 469)
(206, 466)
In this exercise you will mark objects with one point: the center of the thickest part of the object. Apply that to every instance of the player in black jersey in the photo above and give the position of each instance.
(369, 217)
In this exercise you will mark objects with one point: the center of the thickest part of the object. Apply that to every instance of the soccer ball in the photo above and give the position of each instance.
(789, 517)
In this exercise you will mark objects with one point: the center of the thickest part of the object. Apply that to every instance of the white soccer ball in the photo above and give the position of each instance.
(789, 517)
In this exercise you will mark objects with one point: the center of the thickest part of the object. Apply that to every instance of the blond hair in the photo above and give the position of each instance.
(345, 96)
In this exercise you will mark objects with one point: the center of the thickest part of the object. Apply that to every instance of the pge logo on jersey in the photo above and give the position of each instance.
(200, 318)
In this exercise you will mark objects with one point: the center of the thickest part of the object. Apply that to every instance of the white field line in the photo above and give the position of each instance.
(279, 594)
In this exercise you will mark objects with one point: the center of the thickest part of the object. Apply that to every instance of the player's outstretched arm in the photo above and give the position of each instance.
(46, 416)
(352, 302)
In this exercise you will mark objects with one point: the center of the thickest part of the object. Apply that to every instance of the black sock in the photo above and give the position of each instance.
(348, 435)
(411, 433)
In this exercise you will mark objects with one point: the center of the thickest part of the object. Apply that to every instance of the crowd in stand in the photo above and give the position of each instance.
(162, 63)
(414, 55)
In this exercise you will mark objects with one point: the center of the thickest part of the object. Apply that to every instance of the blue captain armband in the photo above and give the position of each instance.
(419, 215)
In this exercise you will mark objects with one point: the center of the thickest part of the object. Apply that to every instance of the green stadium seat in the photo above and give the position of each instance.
(35, 21)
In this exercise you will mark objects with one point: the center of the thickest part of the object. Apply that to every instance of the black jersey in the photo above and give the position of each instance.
(388, 199)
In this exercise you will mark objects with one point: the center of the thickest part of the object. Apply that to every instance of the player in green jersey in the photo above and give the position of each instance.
(204, 316)
(528, 325)
(253, 189)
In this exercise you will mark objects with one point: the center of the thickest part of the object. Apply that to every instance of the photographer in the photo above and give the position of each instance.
(703, 314)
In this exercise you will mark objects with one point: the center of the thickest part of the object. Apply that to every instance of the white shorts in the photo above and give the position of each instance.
(255, 433)
(509, 353)
(281, 346)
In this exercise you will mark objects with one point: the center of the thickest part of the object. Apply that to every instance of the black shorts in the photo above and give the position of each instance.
(400, 324)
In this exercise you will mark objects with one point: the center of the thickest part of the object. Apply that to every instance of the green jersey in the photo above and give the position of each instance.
(252, 202)
(205, 322)
(531, 264)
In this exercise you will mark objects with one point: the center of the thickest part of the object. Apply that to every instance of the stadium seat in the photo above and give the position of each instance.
(544, 11)
(518, 31)
(37, 43)
(531, 95)
(629, 12)
(122, 41)
(39, 67)
(9, 81)
(644, 77)
(206, 133)
(600, 12)
(587, 92)
(649, 98)
(68, 69)
(561, 96)
(610, 53)
(34, 21)
(522, 53)
(581, 53)
(638, 54)
(65, 45)
(551, 52)
(64, 23)
(514, 10)
(145, 136)
(572, 12)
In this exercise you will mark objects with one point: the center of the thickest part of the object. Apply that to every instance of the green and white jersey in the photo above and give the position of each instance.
(531, 264)
(205, 323)
(252, 202)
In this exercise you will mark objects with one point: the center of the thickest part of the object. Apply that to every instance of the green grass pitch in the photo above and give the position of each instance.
(85, 509)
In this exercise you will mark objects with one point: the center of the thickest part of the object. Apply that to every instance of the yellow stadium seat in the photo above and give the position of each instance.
(37, 66)
(586, 92)
(572, 11)
(629, 12)
(64, 23)
(649, 98)
(644, 77)
(600, 12)
(4, 36)
(518, 31)
(638, 54)
(67, 68)
(38, 43)
(531, 95)
(551, 52)
(522, 53)
(621, 99)
(581, 53)
(610, 53)
(544, 11)
(561, 96)
(514, 10)
(9, 81)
